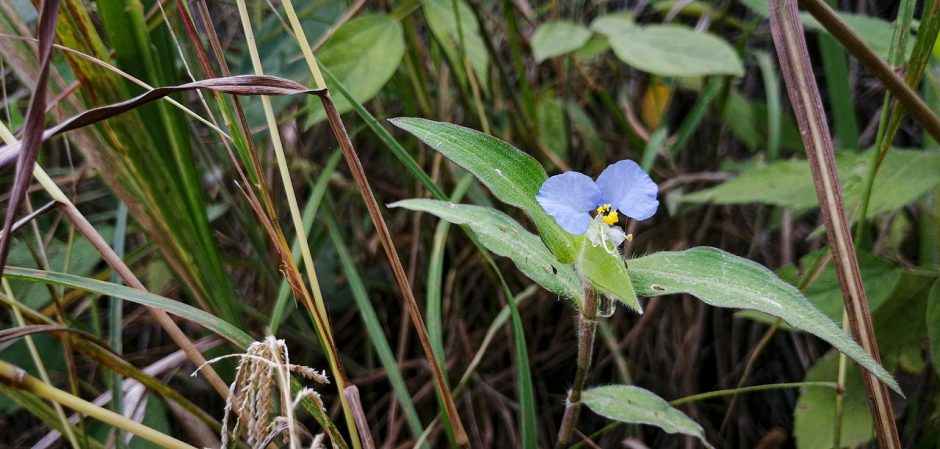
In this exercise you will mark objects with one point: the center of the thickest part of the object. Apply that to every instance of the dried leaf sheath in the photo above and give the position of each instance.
(35, 121)
(235, 85)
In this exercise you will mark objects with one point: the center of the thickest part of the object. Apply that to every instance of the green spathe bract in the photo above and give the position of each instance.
(634, 405)
(725, 280)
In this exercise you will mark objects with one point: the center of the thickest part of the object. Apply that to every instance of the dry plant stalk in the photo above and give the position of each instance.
(804, 96)
(263, 372)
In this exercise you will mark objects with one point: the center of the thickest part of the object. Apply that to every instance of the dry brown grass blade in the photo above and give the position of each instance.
(401, 278)
(22, 331)
(804, 96)
(235, 85)
(35, 122)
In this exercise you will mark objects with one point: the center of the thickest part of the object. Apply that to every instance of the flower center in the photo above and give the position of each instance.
(610, 216)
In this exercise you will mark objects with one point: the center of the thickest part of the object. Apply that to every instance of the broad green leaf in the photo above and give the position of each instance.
(933, 326)
(206, 320)
(513, 176)
(459, 40)
(363, 54)
(783, 183)
(899, 322)
(610, 24)
(879, 277)
(506, 237)
(815, 408)
(672, 50)
(558, 38)
(903, 177)
(724, 280)
(634, 405)
(608, 273)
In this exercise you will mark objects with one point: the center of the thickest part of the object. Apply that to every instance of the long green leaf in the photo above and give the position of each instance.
(504, 236)
(514, 177)
(374, 326)
(206, 320)
(725, 280)
(634, 405)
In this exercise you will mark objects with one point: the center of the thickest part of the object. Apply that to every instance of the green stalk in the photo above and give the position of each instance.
(587, 324)
(116, 322)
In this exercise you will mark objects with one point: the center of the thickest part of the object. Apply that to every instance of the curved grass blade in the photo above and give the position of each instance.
(235, 85)
(204, 319)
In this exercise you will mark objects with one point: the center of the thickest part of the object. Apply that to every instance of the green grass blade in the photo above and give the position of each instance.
(373, 326)
(436, 277)
(309, 213)
(204, 319)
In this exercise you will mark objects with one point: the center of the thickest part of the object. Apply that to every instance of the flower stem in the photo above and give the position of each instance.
(587, 325)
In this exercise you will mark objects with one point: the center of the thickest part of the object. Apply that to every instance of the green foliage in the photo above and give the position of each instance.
(513, 176)
(558, 38)
(634, 405)
(607, 273)
(904, 176)
(506, 237)
(931, 318)
(672, 50)
(725, 280)
(879, 276)
(814, 416)
(363, 55)
(173, 307)
(453, 25)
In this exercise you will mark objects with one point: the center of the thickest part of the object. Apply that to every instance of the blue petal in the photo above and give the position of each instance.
(627, 188)
(568, 198)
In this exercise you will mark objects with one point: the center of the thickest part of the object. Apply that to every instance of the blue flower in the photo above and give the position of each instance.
(623, 186)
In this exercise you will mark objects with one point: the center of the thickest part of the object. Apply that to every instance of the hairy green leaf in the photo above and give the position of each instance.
(513, 176)
(506, 237)
(672, 50)
(725, 280)
(634, 405)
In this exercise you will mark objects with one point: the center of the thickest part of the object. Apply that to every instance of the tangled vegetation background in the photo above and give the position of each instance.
(189, 224)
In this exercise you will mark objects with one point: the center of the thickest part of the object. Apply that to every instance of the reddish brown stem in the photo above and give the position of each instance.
(807, 104)
(411, 304)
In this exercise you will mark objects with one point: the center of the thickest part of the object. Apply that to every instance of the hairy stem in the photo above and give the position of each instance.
(587, 325)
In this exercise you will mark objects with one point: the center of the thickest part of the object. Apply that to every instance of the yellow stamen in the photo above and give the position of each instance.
(603, 209)
(611, 218)
(629, 237)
